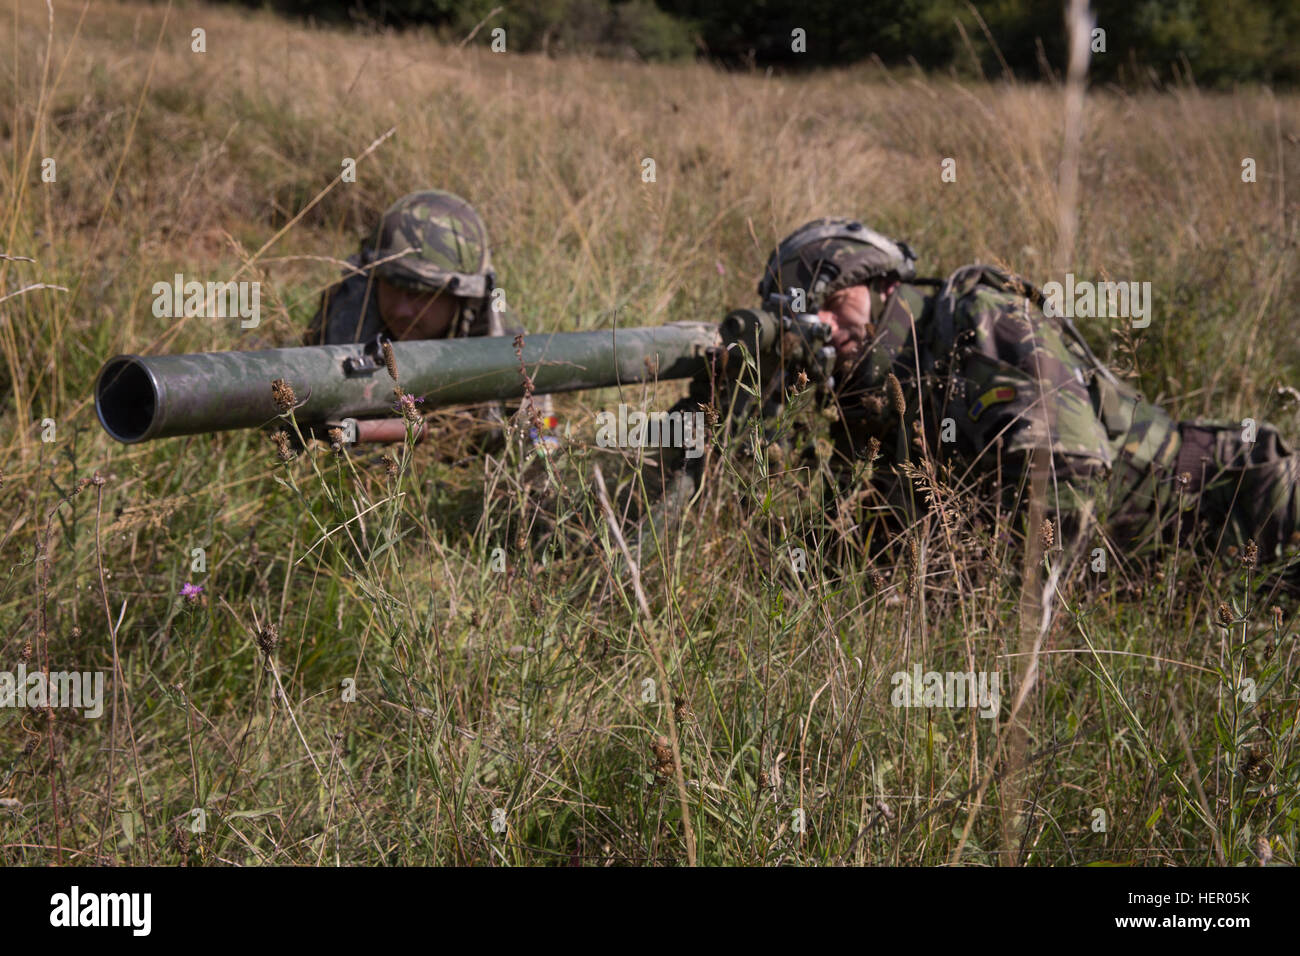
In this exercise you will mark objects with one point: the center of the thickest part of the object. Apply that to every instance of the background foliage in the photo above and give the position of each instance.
(1215, 41)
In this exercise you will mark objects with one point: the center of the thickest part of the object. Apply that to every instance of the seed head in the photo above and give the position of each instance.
(896, 399)
(1047, 534)
(268, 638)
(390, 466)
(662, 749)
(1226, 617)
(681, 709)
(282, 393)
(1263, 850)
(282, 449)
(1251, 555)
(390, 360)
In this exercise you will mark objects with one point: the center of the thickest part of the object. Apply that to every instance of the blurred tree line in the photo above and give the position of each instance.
(1217, 41)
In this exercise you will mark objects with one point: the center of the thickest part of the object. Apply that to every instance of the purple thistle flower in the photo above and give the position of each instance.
(191, 591)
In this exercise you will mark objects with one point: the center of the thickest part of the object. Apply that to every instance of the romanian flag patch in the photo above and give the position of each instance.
(551, 422)
(994, 396)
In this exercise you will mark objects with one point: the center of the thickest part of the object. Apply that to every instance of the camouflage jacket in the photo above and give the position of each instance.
(987, 377)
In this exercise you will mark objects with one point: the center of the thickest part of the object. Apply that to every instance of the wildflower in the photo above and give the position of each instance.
(191, 591)
(1251, 555)
(282, 393)
(406, 405)
(801, 381)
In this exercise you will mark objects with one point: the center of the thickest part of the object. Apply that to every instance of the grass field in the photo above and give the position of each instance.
(421, 707)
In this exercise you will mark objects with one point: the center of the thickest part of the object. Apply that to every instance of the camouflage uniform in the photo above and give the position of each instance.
(987, 378)
(426, 241)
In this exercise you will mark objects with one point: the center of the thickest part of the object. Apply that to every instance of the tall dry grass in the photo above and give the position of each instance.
(524, 691)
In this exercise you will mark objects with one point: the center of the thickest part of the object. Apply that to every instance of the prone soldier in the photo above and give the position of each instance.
(972, 372)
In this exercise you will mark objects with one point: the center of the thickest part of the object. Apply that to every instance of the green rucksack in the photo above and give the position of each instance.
(984, 346)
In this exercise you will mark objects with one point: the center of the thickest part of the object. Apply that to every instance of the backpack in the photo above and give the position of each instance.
(997, 369)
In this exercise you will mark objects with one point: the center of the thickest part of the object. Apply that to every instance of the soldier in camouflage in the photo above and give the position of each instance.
(972, 373)
(425, 272)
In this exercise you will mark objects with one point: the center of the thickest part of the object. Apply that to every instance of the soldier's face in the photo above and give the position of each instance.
(417, 315)
(848, 312)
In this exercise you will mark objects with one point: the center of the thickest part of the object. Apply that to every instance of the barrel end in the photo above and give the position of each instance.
(126, 399)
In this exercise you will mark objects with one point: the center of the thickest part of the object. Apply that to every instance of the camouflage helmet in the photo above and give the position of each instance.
(432, 240)
(824, 253)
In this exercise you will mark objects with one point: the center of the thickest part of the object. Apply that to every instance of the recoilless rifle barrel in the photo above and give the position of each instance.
(141, 397)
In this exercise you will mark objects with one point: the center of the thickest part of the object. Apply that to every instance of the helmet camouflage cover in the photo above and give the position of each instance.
(821, 255)
(433, 240)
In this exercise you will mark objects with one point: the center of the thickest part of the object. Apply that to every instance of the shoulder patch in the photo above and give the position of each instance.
(994, 396)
